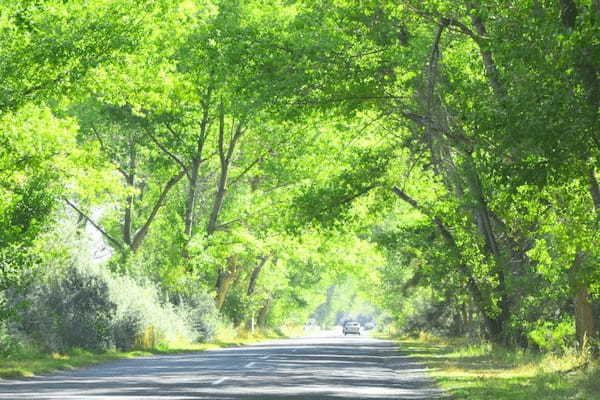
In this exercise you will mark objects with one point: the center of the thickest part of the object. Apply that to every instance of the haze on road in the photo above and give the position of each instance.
(324, 366)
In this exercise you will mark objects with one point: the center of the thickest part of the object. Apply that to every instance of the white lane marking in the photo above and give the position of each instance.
(250, 364)
(219, 381)
(265, 357)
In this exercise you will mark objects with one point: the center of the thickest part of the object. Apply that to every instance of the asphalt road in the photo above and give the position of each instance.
(325, 366)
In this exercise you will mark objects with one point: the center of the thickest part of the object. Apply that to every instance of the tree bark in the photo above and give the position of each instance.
(225, 156)
(568, 13)
(588, 74)
(484, 223)
(226, 276)
(584, 317)
(190, 202)
(255, 274)
(128, 215)
(263, 313)
(594, 191)
(491, 70)
(140, 235)
(195, 167)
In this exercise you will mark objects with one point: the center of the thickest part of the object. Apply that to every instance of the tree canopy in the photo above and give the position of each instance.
(435, 159)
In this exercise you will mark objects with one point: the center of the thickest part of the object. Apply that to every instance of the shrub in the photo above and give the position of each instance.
(90, 308)
(75, 303)
(72, 309)
(554, 336)
(433, 316)
(127, 330)
(140, 311)
(9, 343)
(201, 313)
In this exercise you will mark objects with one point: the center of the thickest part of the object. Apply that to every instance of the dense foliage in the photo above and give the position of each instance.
(265, 163)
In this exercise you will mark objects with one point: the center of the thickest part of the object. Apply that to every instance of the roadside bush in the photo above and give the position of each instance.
(127, 330)
(140, 313)
(433, 316)
(9, 343)
(72, 309)
(201, 313)
(87, 307)
(73, 302)
(554, 336)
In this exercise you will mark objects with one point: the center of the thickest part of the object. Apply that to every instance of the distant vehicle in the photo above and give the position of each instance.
(369, 326)
(351, 327)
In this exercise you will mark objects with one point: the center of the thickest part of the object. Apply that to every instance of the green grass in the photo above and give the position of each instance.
(30, 362)
(485, 372)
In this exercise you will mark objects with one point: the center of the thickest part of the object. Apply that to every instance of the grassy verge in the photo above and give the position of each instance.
(485, 372)
(32, 362)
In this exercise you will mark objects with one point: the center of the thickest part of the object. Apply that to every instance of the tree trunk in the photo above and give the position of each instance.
(143, 231)
(484, 223)
(492, 323)
(225, 156)
(491, 71)
(594, 191)
(588, 74)
(128, 217)
(584, 320)
(190, 202)
(584, 317)
(596, 4)
(130, 179)
(226, 276)
(255, 275)
(195, 167)
(263, 313)
(218, 201)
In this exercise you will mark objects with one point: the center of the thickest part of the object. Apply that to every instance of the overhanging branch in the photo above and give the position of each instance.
(95, 225)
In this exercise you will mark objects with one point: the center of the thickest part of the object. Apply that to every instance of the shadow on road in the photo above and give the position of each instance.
(315, 368)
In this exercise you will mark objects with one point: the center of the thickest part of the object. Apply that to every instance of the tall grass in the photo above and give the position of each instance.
(489, 372)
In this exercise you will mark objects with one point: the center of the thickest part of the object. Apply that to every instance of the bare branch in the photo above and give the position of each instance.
(95, 225)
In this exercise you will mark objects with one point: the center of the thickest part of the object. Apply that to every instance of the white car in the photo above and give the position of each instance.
(351, 327)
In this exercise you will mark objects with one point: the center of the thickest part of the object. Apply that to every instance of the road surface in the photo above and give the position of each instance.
(326, 366)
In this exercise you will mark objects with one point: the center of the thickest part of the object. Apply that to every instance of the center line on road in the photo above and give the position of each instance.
(250, 364)
(219, 381)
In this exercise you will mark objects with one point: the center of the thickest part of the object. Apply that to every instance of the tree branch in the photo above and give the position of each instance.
(233, 181)
(449, 238)
(95, 225)
(143, 231)
(224, 225)
(108, 151)
(166, 151)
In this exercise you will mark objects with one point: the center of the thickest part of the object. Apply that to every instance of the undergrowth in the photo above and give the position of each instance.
(490, 372)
